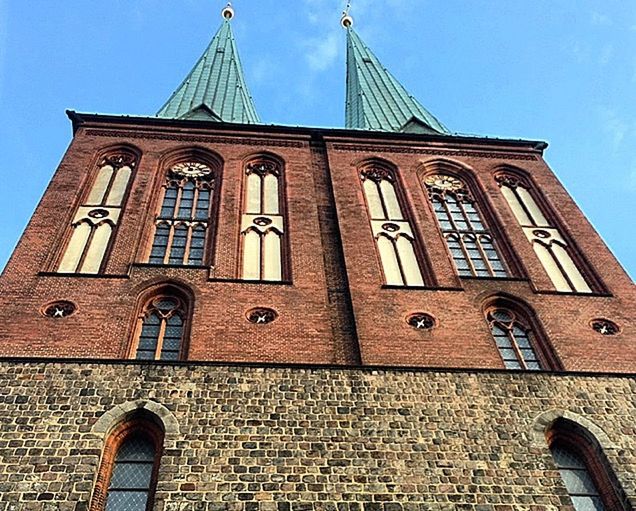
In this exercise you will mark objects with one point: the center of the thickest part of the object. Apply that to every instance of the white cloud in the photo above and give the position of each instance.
(599, 19)
(615, 126)
(323, 52)
(607, 53)
(631, 179)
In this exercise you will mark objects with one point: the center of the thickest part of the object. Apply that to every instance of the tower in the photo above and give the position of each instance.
(210, 313)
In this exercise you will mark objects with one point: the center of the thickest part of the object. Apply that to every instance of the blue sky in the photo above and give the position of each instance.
(562, 71)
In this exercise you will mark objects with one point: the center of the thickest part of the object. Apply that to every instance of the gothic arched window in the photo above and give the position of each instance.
(161, 328)
(547, 241)
(468, 238)
(584, 469)
(518, 335)
(395, 240)
(127, 477)
(263, 222)
(184, 221)
(514, 339)
(97, 218)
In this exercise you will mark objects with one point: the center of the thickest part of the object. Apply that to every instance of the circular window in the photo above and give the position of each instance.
(261, 315)
(421, 321)
(262, 221)
(98, 213)
(59, 309)
(540, 233)
(604, 326)
(391, 227)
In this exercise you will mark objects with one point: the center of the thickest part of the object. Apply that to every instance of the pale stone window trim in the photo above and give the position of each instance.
(96, 220)
(547, 241)
(263, 223)
(392, 231)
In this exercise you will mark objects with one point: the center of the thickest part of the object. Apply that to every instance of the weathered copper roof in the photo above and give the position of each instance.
(376, 100)
(215, 89)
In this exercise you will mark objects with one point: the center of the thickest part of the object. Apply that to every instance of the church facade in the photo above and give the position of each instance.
(210, 313)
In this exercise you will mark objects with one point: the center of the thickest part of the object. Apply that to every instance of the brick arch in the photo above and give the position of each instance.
(195, 152)
(370, 160)
(543, 423)
(524, 177)
(263, 155)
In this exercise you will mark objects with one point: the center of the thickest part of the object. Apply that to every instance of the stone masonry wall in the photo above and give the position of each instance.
(294, 439)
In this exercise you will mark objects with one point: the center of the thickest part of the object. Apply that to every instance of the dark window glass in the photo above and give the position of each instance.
(469, 242)
(162, 330)
(131, 479)
(182, 224)
(577, 479)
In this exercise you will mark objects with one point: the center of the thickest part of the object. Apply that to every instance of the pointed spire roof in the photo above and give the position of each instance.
(375, 99)
(215, 89)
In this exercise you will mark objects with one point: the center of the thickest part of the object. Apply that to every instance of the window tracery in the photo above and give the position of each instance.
(96, 220)
(513, 338)
(395, 240)
(263, 222)
(161, 329)
(548, 242)
(469, 240)
(185, 217)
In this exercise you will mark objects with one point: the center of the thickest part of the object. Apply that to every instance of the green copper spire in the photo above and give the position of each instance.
(215, 89)
(375, 99)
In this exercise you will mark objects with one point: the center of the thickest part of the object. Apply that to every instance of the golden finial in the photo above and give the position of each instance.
(346, 21)
(228, 11)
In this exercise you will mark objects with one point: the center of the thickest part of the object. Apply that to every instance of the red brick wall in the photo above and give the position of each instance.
(335, 310)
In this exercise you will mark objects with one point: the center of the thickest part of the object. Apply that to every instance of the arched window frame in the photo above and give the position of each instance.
(577, 440)
(263, 228)
(545, 232)
(87, 245)
(490, 243)
(521, 319)
(390, 219)
(137, 424)
(190, 176)
(148, 306)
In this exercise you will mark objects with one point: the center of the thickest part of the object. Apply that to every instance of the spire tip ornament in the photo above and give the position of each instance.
(346, 21)
(228, 11)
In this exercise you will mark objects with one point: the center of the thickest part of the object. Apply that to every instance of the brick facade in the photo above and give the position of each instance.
(335, 309)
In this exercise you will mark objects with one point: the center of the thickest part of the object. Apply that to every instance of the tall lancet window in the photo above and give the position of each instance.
(184, 221)
(263, 222)
(547, 241)
(391, 228)
(96, 219)
(468, 238)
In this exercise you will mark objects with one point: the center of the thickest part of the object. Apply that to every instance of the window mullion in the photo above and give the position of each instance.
(87, 247)
(525, 208)
(385, 210)
(186, 250)
(515, 345)
(162, 333)
(166, 255)
(484, 257)
(564, 274)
